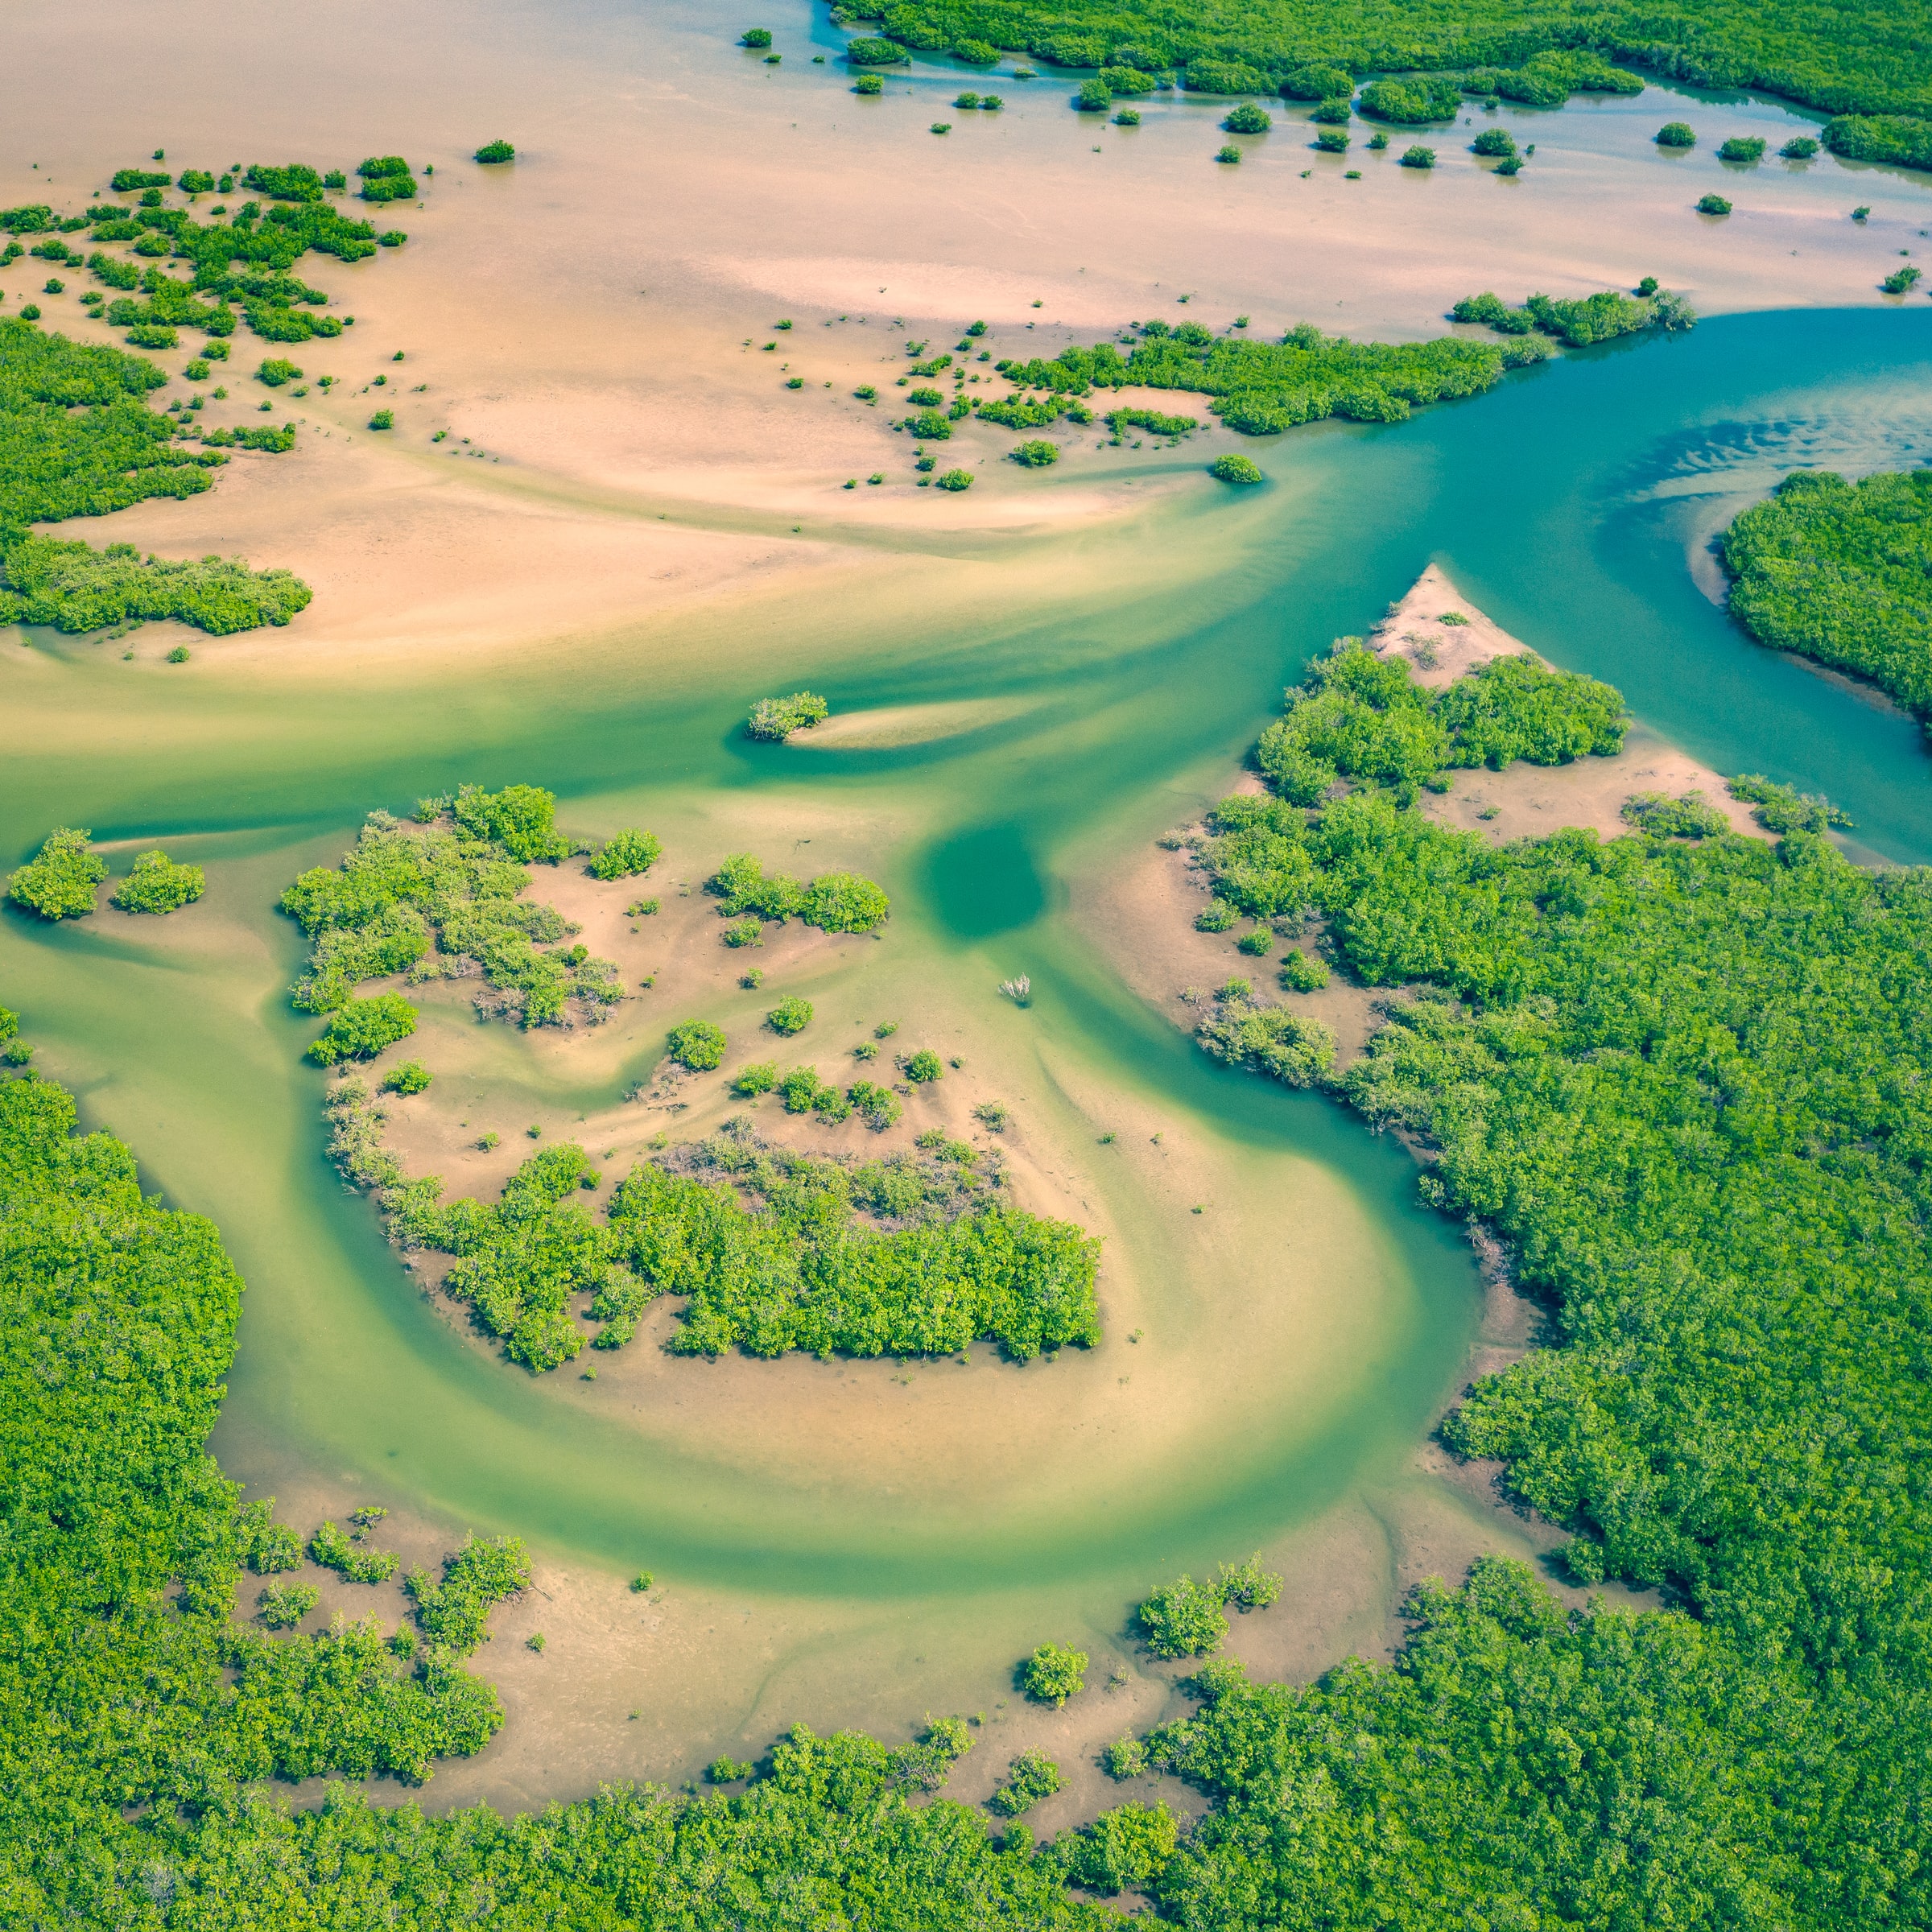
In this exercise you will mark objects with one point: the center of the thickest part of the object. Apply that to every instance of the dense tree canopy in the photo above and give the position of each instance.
(1841, 572)
(1864, 57)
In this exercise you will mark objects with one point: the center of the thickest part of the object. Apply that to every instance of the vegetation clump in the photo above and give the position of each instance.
(698, 1045)
(1690, 816)
(776, 719)
(791, 1015)
(1577, 323)
(1036, 454)
(492, 152)
(443, 898)
(61, 880)
(1031, 1778)
(1902, 139)
(155, 884)
(1742, 148)
(386, 178)
(358, 1029)
(1838, 571)
(626, 854)
(1233, 468)
(1248, 119)
(1053, 1673)
(1262, 388)
(834, 902)
(1675, 134)
(1713, 204)
(74, 588)
(914, 1254)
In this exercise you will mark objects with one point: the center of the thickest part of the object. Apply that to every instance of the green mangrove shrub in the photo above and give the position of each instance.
(835, 901)
(1836, 570)
(776, 719)
(626, 854)
(1031, 1778)
(697, 1044)
(358, 1029)
(62, 878)
(1053, 1673)
(1235, 469)
(155, 884)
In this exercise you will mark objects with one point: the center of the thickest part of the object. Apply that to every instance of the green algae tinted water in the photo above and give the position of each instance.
(1567, 504)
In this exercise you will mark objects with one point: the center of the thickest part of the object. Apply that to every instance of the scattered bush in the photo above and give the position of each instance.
(1899, 281)
(626, 854)
(697, 1044)
(1235, 469)
(77, 589)
(1054, 1673)
(1094, 97)
(1742, 148)
(1302, 973)
(383, 418)
(1229, 155)
(1691, 816)
(777, 718)
(1331, 141)
(791, 1015)
(60, 880)
(954, 479)
(835, 901)
(1493, 141)
(277, 371)
(1419, 98)
(360, 1028)
(923, 1067)
(411, 1077)
(1416, 157)
(281, 1606)
(759, 1077)
(1031, 1777)
(1713, 204)
(874, 53)
(155, 884)
(492, 152)
(1036, 454)
(1248, 119)
(1675, 134)
(868, 83)
(1800, 147)
(386, 178)
(756, 37)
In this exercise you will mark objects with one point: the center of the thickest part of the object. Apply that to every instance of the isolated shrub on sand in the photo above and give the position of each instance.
(155, 884)
(60, 881)
(697, 1045)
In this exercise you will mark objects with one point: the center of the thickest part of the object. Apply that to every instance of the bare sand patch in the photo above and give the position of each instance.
(908, 723)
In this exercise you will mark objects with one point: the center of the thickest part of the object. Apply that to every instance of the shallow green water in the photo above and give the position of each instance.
(1558, 503)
